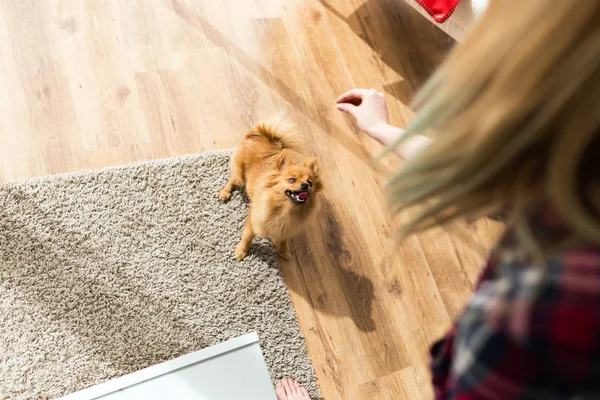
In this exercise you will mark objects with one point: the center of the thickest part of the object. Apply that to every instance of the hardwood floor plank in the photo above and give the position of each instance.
(397, 386)
(39, 123)
(93, 46)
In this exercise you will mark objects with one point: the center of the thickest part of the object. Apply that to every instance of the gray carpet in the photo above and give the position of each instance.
(106, 272)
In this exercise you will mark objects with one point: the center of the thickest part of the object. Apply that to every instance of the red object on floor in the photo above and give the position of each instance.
(440, 10)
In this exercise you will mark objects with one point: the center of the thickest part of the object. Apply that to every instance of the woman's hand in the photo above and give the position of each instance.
(368, 107)
(371, 113)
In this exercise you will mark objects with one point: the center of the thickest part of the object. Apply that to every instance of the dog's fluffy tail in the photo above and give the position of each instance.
(280, 131)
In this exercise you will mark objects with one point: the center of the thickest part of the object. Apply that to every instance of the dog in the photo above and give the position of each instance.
(280, 181)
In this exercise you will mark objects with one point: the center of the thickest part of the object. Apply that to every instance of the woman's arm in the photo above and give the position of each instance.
(369, 108)
(386, 134)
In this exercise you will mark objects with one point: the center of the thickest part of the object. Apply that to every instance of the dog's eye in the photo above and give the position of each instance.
(309, 182)
(292, 180)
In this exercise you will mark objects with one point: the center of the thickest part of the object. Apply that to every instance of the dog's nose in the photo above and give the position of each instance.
(304, 186)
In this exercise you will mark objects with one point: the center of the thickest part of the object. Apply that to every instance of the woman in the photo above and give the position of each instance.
(515, 112)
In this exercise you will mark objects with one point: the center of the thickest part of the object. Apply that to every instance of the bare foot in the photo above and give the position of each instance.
(288, 389)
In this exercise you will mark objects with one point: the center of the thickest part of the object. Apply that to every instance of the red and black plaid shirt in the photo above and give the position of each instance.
(530, 331)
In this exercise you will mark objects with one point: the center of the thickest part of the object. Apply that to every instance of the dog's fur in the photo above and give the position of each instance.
(269, 162)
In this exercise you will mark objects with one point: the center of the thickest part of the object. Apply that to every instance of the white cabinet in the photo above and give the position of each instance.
(231, 370)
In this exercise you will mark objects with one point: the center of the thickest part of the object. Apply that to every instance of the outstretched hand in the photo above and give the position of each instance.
(368, 107)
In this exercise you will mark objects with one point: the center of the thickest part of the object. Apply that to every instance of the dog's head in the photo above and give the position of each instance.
(298, 182)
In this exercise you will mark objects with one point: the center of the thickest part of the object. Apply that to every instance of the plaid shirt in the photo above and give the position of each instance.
(529, 331)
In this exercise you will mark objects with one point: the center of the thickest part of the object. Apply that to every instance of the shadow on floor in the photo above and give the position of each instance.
(404, 40)
(332, 264)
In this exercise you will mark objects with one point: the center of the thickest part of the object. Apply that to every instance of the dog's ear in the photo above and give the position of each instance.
(313, 165)
(282, 160)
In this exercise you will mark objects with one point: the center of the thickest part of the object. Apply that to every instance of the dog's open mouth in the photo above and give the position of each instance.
(298, 197)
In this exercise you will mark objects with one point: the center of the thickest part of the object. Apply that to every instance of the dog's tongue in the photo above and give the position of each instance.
(303, 196)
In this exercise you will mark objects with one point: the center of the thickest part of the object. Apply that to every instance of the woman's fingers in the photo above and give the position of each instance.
(368, 107)
(351, 96)
(346, 107)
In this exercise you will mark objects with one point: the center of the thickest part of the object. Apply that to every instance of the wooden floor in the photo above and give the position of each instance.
(87, 84)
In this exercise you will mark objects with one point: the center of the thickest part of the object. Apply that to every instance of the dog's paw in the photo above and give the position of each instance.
(225, 194)
(240, 252)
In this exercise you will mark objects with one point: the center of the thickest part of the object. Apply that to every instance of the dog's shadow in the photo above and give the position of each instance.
(328, 269)
(328, 258)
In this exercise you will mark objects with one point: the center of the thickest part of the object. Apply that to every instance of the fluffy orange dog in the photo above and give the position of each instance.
(280, 181)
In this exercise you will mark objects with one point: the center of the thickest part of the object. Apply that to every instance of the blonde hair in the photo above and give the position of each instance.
(516, 111)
